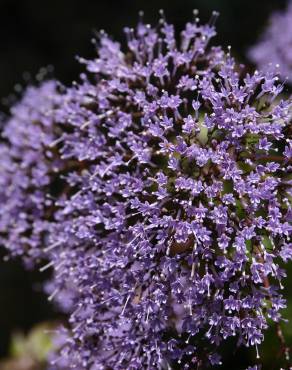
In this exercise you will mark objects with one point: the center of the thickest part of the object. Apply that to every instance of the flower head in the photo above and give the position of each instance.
(29, 171)
(180, 213)
(273, 49)
(175, 215)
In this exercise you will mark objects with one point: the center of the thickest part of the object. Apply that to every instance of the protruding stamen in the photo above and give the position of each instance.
(193, 270)
(213, 18)
(257, 350)
(56, 142)
(52, 246)
(195, 15)
(125, 305)
(53, 294)
(47, 266)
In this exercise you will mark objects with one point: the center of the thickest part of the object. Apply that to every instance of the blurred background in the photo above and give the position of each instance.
(35, 34)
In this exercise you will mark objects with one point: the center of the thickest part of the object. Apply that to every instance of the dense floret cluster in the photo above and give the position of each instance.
(30, 172)
(274, 48)
(167, 237)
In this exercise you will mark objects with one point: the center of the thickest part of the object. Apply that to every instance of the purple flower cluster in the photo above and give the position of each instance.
(274, 47)
(166, 238)
(30, 172)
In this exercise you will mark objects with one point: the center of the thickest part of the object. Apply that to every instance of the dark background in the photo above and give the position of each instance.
(34, 34)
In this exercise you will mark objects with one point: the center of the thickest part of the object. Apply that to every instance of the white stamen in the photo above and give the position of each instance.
(53, 294)
(57, 141)
(101, 116)
(125, 305)
(147, 316)
(258, 356)
(52, 246)
(47, 266)
(76, 195)
(190, 307)
(193, 270)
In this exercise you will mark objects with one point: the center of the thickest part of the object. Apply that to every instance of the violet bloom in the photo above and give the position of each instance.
(274, 48)
(29, 172)
(175, 215)
(180, 213)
